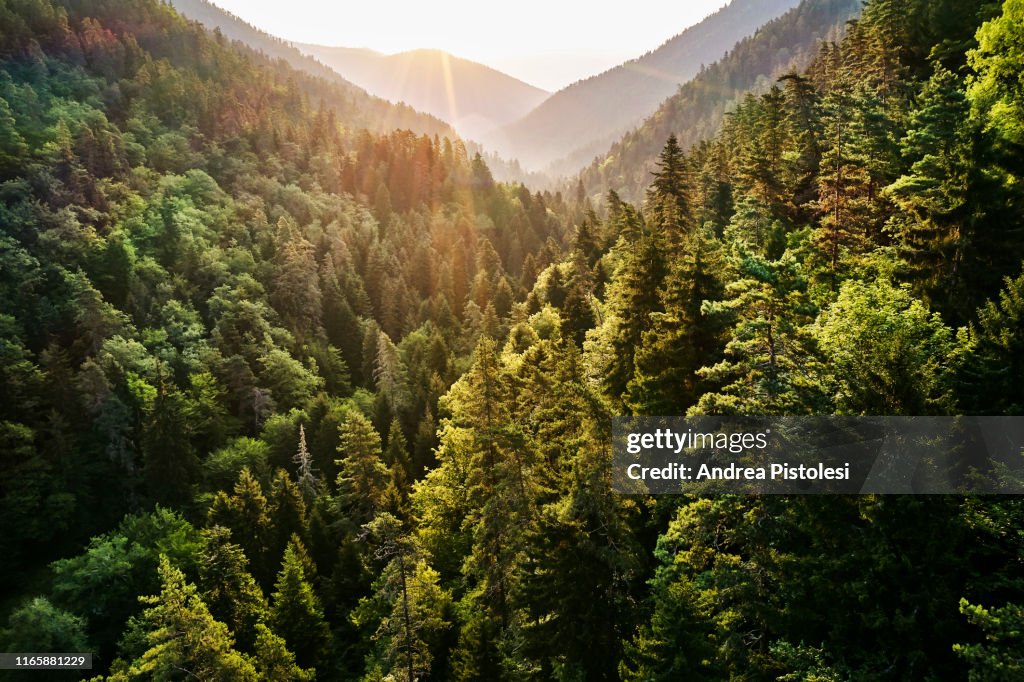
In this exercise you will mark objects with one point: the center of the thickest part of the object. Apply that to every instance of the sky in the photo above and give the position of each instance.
(548, 43)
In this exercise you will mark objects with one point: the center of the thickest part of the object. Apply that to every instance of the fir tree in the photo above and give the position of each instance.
(183, 638)
(297, 615)
(363, 478)
(682, 339)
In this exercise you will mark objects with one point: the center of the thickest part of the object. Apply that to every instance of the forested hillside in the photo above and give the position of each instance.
(585, 117)
(378, 114)
(696, 111)
(289, 400)
(375, 114)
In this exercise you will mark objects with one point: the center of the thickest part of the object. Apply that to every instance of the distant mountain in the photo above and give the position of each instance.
(366, 110)
(788, 43)
(474, 98)
(592, 113)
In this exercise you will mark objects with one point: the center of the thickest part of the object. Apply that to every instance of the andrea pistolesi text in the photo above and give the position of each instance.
(733, 472)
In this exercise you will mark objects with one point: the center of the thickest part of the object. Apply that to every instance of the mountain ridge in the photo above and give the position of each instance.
(383, 116)
(473, 97)
(695, 112)
(607, 104)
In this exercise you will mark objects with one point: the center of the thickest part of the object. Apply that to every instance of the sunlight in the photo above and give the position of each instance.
(473, 30)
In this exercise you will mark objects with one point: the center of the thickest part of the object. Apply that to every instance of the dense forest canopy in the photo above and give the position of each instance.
(285, 398)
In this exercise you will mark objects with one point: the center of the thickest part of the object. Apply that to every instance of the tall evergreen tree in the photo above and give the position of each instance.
(297, 615)
(183, 638)
(407, 608)
(363, 478)
(770, 364)
(682, 339)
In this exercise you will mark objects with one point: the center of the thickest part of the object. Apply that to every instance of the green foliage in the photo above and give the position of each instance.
(274, 662)
(998, 62)
(231, 594)
(989, 381)
(297, 614)
(363, 480)
(182, 636)
(219, 292)
(886, 353)
(407, 608)
(999, 657)
(771, 364)
(40, 626)
(104, 582)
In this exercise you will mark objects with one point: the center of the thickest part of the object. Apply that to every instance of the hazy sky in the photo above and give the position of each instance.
(549, 43)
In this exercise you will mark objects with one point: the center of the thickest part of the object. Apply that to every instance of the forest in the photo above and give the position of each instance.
(286, 396)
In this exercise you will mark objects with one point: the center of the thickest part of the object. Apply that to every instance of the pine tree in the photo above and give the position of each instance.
(287, 508)
(229, 590)
(632, 296)
(363, 478)
(407, 608)
(682, 339)
(770, 364)
(170, 469)
(990, 376)
(246, 513)
(477, 506)
(997, 658)
(297, 615)
(937, 219)
(274, 662)
(579, 558)
(183, 638)
(668, 199)
(578, 306)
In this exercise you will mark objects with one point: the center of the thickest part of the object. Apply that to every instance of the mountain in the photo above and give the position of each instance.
(472, 97)
(592, 113)
(785, 44)
(375, 113)
(364, 110)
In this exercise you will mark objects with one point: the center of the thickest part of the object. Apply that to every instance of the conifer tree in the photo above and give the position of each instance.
(682, 339)
(668, 195)
(632, 296)
(363, 477)
(246, 513)
(297, 615)
(229, 591)
(287, 509)
(580, 558)
(183, 638)
(169, 469)
(274, 662)
(407, 608)
(770, 364)
(989, 377)
(937, 218)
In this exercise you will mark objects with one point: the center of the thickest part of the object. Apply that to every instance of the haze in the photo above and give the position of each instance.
(547, 44)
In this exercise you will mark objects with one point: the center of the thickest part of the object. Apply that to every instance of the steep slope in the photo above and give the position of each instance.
(695, 112)
(600, 108)
(374, 112)
(472, 97)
